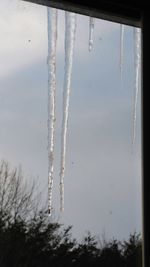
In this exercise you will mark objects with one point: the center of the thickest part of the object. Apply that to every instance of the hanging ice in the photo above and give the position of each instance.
(121, 50)
(70, 24)
(52, 40)
(137, 61)
(91, 31)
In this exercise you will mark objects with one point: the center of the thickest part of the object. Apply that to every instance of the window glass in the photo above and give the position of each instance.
(103, 168)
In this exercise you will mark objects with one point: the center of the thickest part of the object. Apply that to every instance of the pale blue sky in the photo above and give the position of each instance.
(103, 170)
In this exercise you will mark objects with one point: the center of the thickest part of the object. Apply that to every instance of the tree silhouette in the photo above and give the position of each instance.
(29, 238)
(16, 198)
(111, 255)
(132, 251)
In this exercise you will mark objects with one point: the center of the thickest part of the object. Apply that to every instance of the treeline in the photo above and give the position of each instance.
(39, 244)
(29, 239)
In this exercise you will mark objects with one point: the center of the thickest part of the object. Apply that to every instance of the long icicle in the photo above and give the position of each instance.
(52, 41)
(91, 31)
(70, 24)
(121, 50)
(137, 61)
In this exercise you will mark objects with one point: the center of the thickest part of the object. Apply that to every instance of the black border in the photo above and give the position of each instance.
(126, 12)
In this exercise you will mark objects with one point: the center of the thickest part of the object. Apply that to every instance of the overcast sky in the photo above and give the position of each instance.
(103, 170)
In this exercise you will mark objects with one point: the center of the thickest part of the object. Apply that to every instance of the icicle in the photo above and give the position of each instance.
(91, 30)
(121, 50)
(52, 40)
(70, 24)
(137, 61)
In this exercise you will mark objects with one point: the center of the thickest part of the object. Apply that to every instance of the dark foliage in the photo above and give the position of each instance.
(38, 242)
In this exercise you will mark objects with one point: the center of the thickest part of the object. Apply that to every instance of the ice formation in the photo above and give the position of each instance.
(52, 41)
(121, 50)
(91, 31)
(70, 24)
(137, 62)
(70, 31)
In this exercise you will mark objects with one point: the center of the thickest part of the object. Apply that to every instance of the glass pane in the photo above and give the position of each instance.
(103, 168)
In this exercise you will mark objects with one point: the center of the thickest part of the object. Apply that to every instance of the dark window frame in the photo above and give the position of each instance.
(133, 13)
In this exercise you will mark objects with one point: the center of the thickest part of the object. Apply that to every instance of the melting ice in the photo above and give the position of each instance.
(91, 31)
(121, 49)
(52, 41)
(70, 31)
(70, 24)
(137, 62)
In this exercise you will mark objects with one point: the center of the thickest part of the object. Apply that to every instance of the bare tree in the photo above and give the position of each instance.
(17, 198)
